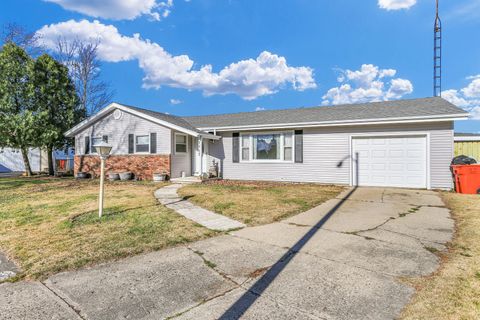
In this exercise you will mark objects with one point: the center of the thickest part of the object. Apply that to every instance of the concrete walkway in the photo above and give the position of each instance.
(169, 197)
(340, 260)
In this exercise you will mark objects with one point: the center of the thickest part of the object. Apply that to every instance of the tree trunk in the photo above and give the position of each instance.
(51, 172)
(26, 162)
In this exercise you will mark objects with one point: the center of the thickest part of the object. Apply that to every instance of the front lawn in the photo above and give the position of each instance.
(50, 225)
(454, 291)
(256, 203)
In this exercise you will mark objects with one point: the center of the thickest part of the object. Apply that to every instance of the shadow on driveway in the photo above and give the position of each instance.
(249, 297)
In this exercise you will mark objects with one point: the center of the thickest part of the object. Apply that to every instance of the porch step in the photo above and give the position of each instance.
(186, 180)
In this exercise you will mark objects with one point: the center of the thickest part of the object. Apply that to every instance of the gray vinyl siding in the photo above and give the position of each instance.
(326, 148)
(181, 161)
(118, 131)
(441, 154)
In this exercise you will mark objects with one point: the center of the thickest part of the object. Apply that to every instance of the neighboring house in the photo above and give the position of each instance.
(467, 144)
(11, 160)
(406, 143)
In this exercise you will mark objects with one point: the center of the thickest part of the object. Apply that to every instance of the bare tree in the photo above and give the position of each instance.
(82, 61)
(29, 41)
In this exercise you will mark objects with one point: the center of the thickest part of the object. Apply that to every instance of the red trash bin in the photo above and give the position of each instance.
(467, 178)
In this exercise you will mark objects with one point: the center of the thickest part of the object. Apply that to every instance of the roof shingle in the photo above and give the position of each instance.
(423, 107)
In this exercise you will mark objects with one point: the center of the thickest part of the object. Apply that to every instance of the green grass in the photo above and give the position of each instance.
(50, 225)
(257, 203)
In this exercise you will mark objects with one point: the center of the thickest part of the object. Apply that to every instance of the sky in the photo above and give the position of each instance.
(196, 57)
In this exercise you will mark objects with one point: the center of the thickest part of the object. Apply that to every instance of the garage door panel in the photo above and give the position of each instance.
(415, 167)
(413, 141)
(396, 153)
(378, 154)
(396, 167)
(392, 161)
(415, 153)
(394, 142)
(379, 166)
(378, 179)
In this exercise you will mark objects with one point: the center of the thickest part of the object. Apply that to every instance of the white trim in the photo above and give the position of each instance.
(452, 117)
(210, 136)
(466, 138)
(114, 105)
(282, 146)
(135, 143)
(425, 134)
(175, 144)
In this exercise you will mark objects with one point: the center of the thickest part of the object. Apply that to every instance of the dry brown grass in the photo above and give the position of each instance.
(454, 291)
(51, 225)
(257, 203)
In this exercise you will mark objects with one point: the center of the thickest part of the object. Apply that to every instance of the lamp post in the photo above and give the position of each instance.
(103, 150)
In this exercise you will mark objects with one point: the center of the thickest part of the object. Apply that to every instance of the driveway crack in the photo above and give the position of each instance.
(213, 266)
(75, 309)
(413, 237)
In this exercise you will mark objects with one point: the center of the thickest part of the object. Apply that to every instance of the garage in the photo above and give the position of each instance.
(390, 161)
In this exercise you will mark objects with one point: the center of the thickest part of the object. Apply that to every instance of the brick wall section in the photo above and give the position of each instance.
(142, 166)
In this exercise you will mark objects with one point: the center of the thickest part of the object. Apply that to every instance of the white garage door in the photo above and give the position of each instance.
(391, 161)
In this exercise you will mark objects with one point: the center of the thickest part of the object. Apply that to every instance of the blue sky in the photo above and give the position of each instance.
(205, 56)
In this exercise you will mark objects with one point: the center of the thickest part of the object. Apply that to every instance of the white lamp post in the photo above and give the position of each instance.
(103, 150)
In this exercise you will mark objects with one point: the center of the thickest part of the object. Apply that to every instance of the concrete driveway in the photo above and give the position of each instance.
(341, 260)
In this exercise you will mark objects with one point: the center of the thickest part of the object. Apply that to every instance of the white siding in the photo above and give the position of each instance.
(326, 156)
(118, 131)
(181, 161)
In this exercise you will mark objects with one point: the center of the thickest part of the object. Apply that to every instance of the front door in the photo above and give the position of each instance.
(200, 156)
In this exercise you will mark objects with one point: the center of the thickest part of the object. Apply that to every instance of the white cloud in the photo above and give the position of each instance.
(396, 4)
(249, 78)
(368, 84)
(259, 109)
(118, 9)
(467, 98)
(473, 88)
(398, 88)
(175, 101)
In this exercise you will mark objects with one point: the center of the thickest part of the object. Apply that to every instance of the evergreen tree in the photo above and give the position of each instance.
(18, 123)
(55, 103)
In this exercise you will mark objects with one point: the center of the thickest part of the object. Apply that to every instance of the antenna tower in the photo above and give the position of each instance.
(437, 56)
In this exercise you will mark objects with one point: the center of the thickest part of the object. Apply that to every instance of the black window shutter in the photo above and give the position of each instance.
(236, 147)
(105, 139)
(298, 146)
(131, 145)
(153, 142)
(87, 145)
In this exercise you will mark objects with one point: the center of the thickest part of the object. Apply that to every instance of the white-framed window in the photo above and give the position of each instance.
(142, 143)
(181, 145)
(93, 142)
(267, 147)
